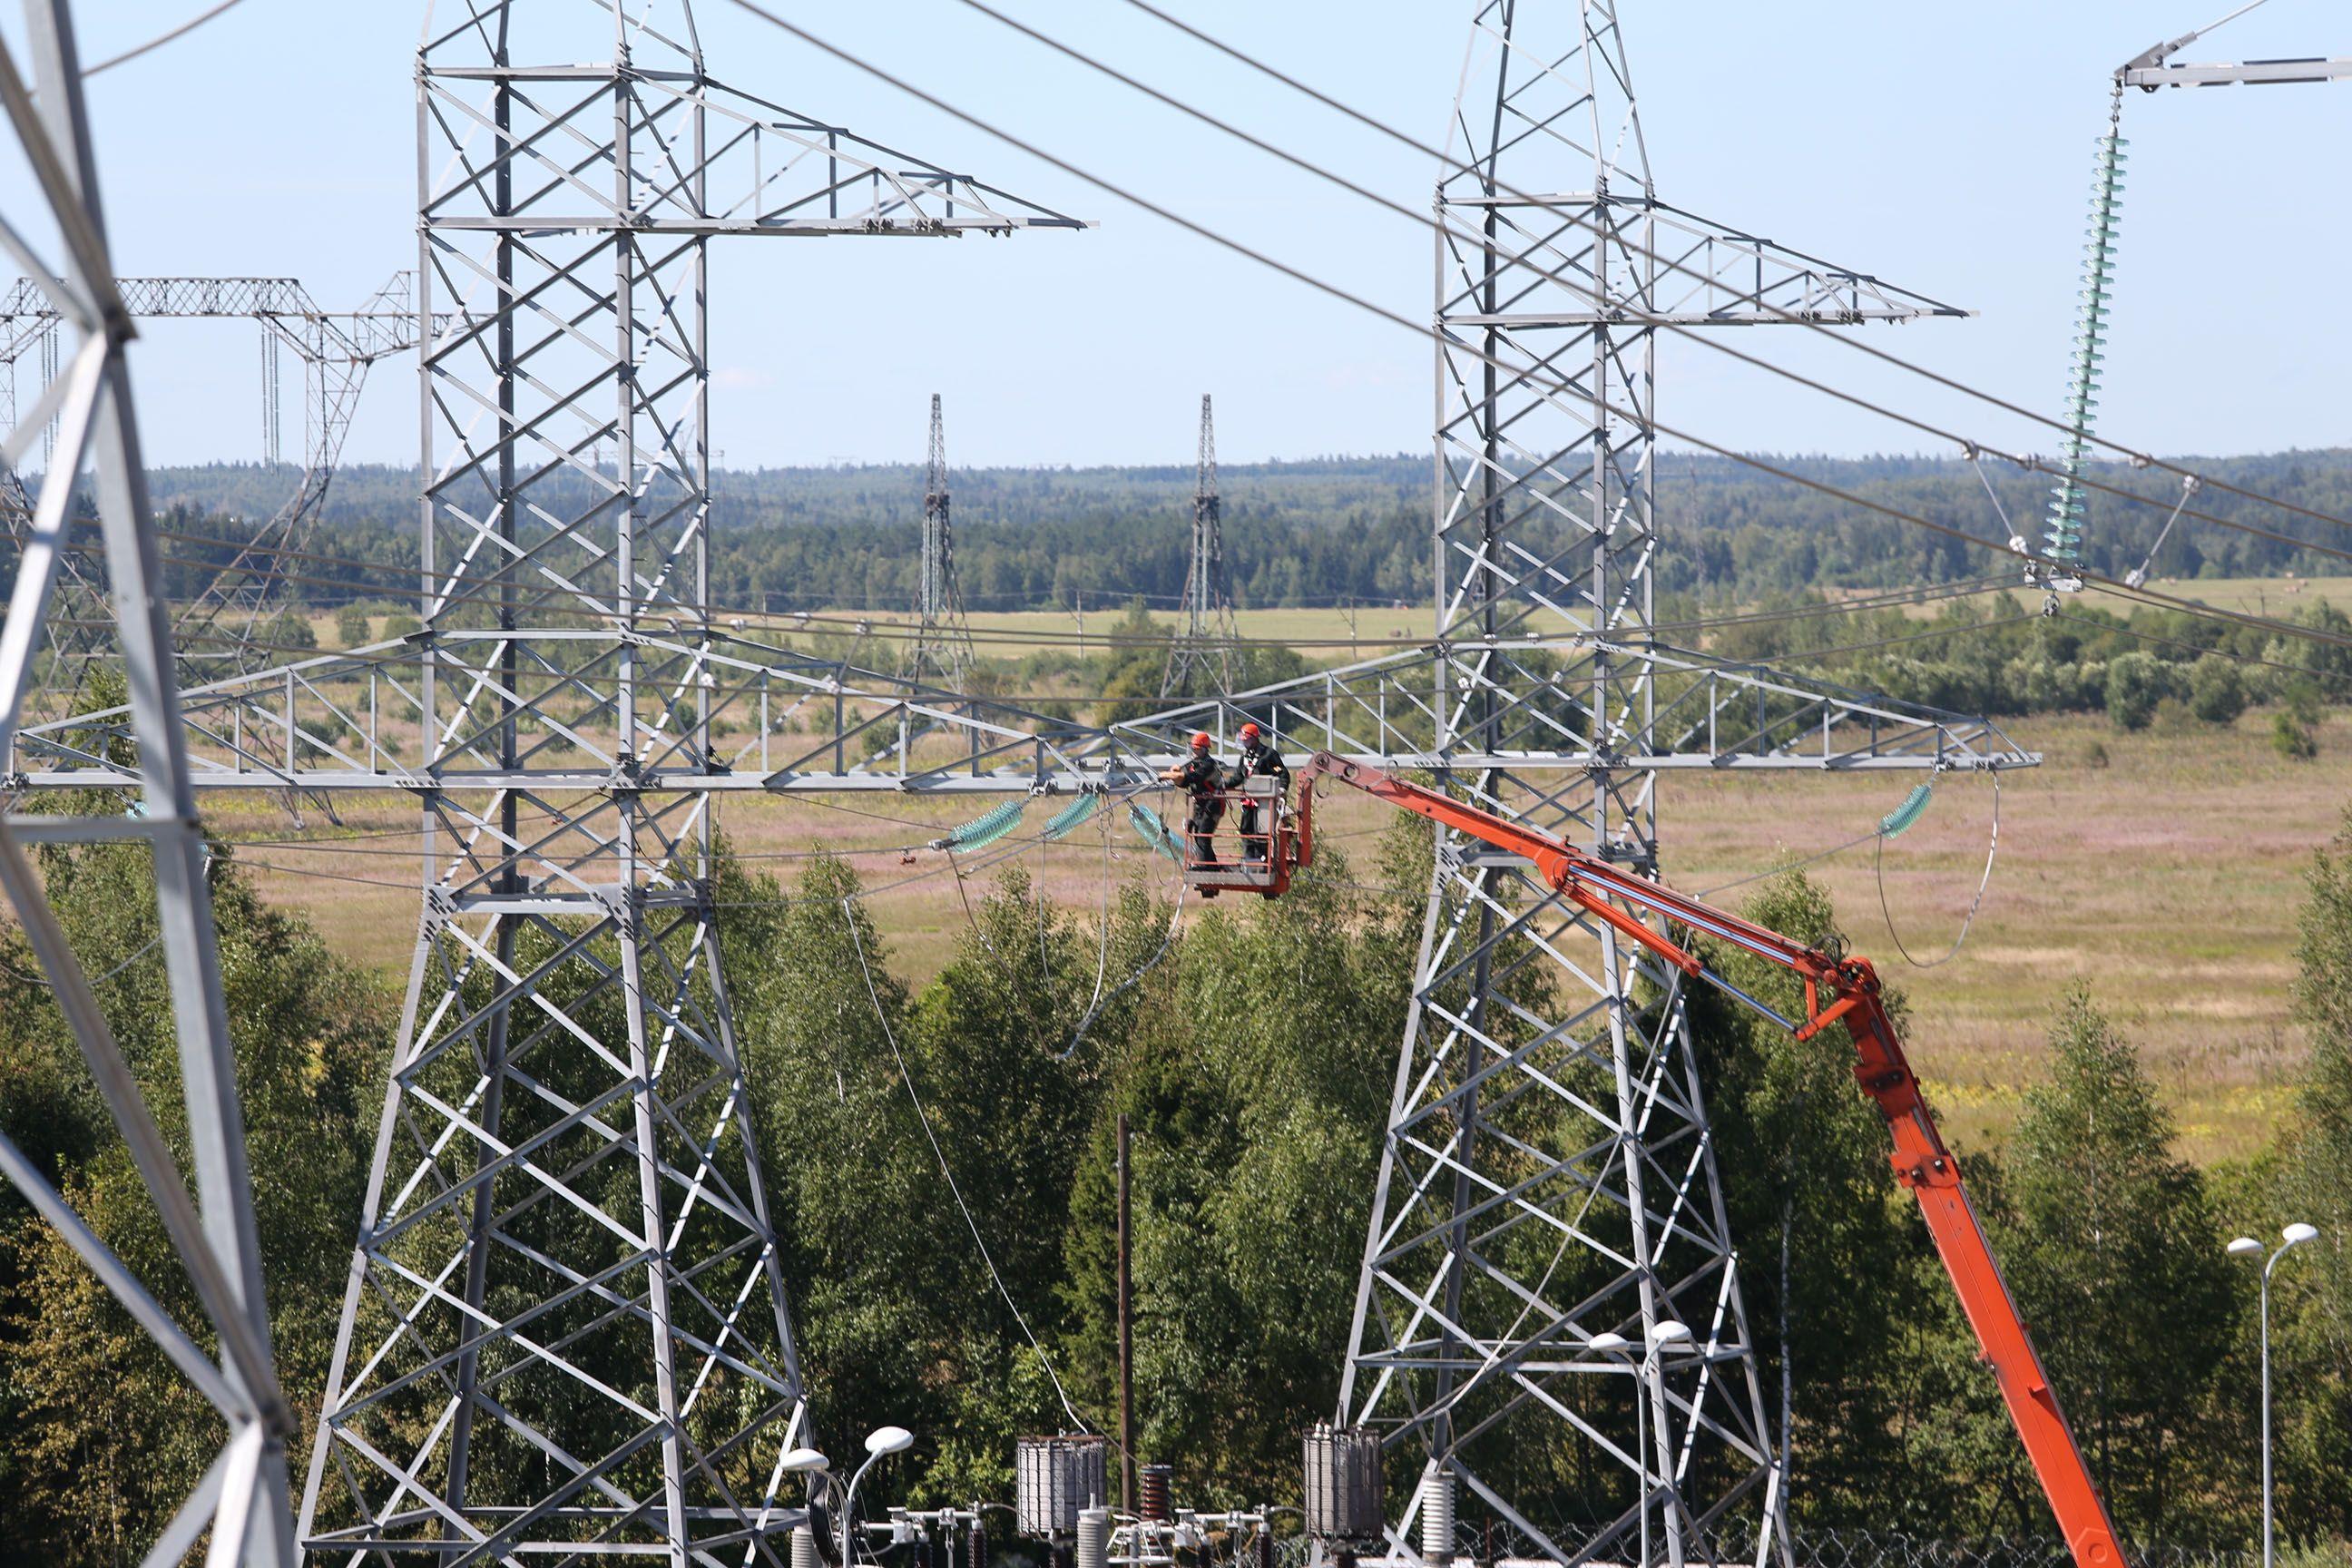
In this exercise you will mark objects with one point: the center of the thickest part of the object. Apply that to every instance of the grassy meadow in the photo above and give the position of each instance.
(2162, 870)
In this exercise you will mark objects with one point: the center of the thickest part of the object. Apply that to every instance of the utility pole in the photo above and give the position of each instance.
(1126, 1336)
(1205, 648)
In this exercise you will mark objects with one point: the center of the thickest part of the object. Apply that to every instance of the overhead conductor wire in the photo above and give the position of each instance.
(1526, 373)
(1856, 344)
(849, 917)
(2071, 470)
(1993, 849)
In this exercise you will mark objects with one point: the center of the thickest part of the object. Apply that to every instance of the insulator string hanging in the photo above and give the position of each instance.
(1072, 817)
(986, 828)
(2063, 539)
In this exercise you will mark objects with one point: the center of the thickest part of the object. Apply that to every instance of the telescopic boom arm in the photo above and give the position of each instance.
(1838, 989)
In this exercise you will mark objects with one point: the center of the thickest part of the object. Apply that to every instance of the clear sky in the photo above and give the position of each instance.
(1943, 146)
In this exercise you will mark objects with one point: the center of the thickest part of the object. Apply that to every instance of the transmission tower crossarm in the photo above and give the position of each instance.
(1839, 988)
(2249, 73)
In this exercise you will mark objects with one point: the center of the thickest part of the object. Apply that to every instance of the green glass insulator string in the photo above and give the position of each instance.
(1914, 807)
(987, 827)
(1154, 831)
(2063, 539)
(1067, 820)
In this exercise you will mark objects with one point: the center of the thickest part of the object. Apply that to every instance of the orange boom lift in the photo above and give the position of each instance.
(1838, 990)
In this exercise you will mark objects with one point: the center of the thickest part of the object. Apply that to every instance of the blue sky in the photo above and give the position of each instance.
(1946, 147)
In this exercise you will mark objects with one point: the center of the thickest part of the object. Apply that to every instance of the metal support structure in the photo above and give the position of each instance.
(337, 349)
(1207, 645)
(565, 1330)
(1548, 1176)
(1127, 1456)
(241, 1502)
(942, 649)
(2057, 567)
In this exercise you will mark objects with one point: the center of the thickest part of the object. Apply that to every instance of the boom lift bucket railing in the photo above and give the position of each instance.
(1839, 989)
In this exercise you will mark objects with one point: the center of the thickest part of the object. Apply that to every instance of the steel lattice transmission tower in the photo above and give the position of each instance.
(565, 1328)
(337, 349)
(1549, 1175)
(242, 1503)
(943, 650)
(1207, 643)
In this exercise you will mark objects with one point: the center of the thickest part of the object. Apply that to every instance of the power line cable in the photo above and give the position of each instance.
(1530, 375)
(1993, 849)
(2137, 459)
(1707, 339)
(159, 41)
(849, 917)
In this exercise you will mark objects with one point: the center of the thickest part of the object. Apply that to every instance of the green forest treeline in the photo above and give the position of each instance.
(1254, 1060)
(1353, 529)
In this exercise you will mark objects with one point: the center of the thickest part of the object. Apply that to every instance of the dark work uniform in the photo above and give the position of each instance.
(1202, 779)
(1258, 761)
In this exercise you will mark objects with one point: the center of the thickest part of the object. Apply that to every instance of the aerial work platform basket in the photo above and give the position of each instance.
(1260, 839)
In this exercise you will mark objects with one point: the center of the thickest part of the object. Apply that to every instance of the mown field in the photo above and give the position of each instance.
(2165, 877)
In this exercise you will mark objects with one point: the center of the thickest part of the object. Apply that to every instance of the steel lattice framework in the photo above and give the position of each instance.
(1208, 639)
(241, 1502)
(942, 646)
(337, 349)
(565, 1328)
(1548, 1176)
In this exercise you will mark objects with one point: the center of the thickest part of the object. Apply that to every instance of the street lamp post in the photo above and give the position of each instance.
(880, 1441)
(801, 1461)
(1660, 1336)
(2292, 1237)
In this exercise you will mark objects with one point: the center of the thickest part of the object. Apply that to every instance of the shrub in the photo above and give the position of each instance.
(2217, 693)
(2293, 739)
(351, 625)
(2136, 682)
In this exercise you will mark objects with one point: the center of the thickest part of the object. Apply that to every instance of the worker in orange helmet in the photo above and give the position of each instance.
(1259, 760)
(1200, 777)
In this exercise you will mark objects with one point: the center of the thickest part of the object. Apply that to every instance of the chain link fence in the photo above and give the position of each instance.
(1858, 1548)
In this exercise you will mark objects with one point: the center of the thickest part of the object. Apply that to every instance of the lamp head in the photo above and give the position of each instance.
(1608, 1345)
(2298, 1233)
(1668, 1333)
(888, 1440)
(2245, 1246)
(803, 1460)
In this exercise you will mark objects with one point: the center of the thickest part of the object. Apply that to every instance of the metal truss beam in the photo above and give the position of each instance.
(241, 1501)
(337, 349)
(355, 721)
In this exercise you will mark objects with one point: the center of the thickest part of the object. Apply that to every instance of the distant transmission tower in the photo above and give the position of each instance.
(1207, 644)
(943, 650)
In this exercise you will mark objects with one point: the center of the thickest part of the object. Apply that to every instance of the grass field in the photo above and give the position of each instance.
(1329, 636)
(2259, 595)
(2166, 880)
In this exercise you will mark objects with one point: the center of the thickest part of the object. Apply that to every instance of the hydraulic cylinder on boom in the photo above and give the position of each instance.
(1839, 989)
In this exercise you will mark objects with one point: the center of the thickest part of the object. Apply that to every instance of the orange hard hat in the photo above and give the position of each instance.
(1250, 731)
(1201, 742)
